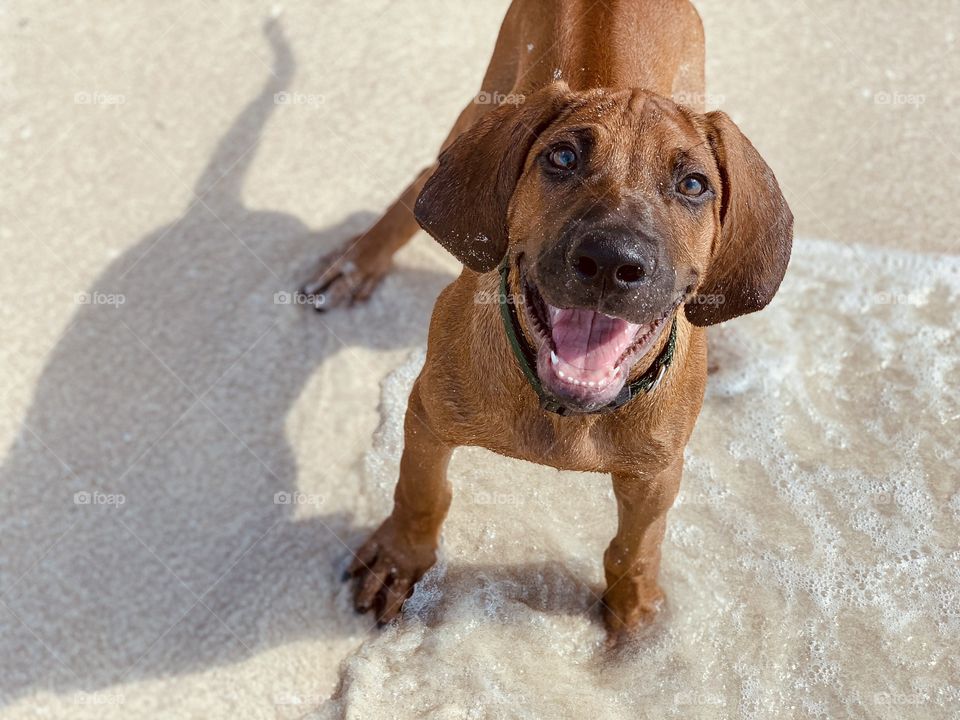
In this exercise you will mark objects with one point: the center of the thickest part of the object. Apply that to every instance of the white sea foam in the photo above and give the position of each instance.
(811, 563)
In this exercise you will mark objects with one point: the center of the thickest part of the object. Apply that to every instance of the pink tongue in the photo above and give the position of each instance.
(588, 342)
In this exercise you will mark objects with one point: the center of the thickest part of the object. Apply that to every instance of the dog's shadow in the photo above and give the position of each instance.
(141, 533)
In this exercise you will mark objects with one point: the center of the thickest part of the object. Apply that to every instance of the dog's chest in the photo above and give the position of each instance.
(543, 438)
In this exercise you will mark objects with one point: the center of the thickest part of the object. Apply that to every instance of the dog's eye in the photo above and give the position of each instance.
(563, 157)
(692, 186)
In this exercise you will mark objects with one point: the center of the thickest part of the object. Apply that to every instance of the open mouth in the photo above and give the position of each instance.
(584, 357)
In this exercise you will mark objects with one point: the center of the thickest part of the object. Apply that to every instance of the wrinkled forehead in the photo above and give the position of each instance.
(631, 129)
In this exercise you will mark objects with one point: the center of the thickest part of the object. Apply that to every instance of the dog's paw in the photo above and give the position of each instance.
(630, 604)
(343, 277)
(385, 570)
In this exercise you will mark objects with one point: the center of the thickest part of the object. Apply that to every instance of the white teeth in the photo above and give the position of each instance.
(602, 382)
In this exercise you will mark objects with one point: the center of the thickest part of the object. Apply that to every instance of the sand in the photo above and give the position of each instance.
(188, 457)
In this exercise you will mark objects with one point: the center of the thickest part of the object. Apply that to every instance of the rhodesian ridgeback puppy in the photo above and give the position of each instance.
(611, 221)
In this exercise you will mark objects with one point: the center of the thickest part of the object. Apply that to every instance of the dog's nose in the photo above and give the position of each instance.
(613, 260)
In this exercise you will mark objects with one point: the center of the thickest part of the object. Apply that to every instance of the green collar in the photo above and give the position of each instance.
(527, 359)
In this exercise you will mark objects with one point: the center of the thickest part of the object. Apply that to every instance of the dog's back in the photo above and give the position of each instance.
(653, 44)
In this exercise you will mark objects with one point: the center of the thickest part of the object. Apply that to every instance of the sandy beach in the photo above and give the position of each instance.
(189, 456)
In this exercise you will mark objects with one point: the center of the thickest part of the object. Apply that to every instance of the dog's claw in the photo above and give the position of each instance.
(385, 570)
(343, 277)
(369, 587)
(393, 598)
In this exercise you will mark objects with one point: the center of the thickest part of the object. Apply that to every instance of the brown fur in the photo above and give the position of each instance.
(622, 65)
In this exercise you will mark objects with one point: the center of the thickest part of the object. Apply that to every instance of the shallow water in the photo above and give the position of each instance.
(811, 561)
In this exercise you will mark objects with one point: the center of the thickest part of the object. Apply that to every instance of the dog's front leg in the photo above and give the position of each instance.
(632, 561)
(404, 547)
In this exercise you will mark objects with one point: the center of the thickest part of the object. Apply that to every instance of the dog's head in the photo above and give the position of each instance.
(617, 208)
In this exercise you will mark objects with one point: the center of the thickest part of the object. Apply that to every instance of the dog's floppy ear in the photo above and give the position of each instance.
(464, 203)
(751, 254)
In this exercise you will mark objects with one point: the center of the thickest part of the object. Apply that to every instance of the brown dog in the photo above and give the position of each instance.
(623, 221)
